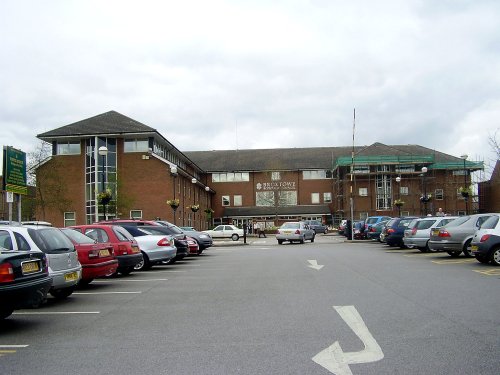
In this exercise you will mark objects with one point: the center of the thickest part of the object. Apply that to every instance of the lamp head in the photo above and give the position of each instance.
(173, 169)
(103, 151)
(207, 189)
(398, 179)
(424, 169)
(194, 180)
(464, 156)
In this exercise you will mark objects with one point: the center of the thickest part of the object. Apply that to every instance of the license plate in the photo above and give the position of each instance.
(71, 276)
(104, 253)
(474, 248)
(30, 267)
(287, 232)
(135, 249)
(435, 232)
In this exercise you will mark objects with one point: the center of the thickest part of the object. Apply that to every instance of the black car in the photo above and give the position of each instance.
(204, 240)
(317, 226)
(24, 280)
(394, 230)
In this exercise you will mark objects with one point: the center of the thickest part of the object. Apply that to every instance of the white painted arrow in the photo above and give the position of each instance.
(314, 264)
(335, 360)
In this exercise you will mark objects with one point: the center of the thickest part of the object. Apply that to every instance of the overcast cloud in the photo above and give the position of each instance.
(257, 74)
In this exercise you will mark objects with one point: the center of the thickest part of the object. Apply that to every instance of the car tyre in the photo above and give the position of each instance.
(5, 313)
(144, 264)
(495, 256)
(126, 271)
(62, 293)
(280, 242)
(467, 249)
(482, 258)
(85, 282)
(312, 239)
(235, 237)
(302, 240)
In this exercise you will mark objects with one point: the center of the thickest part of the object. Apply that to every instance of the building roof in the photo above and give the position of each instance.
(322, 158)
(110, 122)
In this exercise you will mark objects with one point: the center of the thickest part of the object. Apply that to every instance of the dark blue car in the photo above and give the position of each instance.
(394, 230)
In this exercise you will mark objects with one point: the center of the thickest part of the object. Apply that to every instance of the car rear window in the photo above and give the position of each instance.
(290, 225)
(491, 223)
(51, 240)
(404, 222)
(97, 234)
(77, 236)
(425, 224)
(371, 220)
(391, 222)
(457, 222)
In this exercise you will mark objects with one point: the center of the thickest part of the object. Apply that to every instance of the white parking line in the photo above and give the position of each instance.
(87, 293)
(124, 280)
(13, 346)
(53, 312)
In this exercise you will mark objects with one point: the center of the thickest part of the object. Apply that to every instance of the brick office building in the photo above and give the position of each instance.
(143, 170)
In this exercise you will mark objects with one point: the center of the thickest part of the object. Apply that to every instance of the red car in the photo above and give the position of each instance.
(193, 247)
(125, 247)
(97, 259)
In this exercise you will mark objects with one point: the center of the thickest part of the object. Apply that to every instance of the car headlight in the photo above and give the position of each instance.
(204, 236)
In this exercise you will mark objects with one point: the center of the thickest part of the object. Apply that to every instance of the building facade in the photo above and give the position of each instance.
(143, 171)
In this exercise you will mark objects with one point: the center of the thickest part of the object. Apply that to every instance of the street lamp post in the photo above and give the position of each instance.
(194, 181)
(398, 180)
(173, 172)
(103, 151)
(465, 195)
(207, 189)
(424, 183)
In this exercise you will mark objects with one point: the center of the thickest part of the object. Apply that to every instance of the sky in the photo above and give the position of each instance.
(218, 75)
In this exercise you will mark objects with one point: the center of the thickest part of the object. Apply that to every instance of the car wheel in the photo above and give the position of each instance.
(312, 239)
(62, 293)
(4, 313)
(200, 251)
(280, 242)
(454, 254)
(326, 231)
(423, 249)
(235, 237)
(495, 256)
(467, 249)
(482, 258)
(144, 264)
(85, 282)
(126, 271)
(302, 240)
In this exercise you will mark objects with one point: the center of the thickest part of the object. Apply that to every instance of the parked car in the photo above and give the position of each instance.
(394, 230)
(97, 259)
(225, 231)
(372, 220)
(24, 280)
(64, 267)
(125, 247)
(456, 237)
(317, 226)
(180, 239)
(295, 231)
(374, 232)
(188, 229)
(204, 240)
(485, 245)
(155, 248)
(418, 232)
(194, 248)
(359, 230)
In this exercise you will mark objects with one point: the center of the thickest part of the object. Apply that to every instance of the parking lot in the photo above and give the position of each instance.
(261, 308)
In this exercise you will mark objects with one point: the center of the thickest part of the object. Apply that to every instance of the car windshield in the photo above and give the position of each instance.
(77, 236)
(371, 220)
(413, 224)
(290, 226)
(51, 240)
(425, 224)
(490, 223)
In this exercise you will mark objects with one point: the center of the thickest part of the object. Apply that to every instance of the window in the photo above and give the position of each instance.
(438, 194)
(384, 199)
(327, 197)
(361, 169)
(22, 244)
(405, 213)
(320, 174)
(288, 198)
(264, 198)
(403, 190)
(226, 200)
(136, 214)
(363, 192)
(275, 176)
(231, 177)
(314, 198)
(405, 168)
(237, 200)
(136, 145)
(68, 148)
(69, 219)
(363, 215)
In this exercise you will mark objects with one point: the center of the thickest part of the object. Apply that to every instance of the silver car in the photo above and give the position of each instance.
(456, 236)
(64, 267)
(297, 231)
(418, 232)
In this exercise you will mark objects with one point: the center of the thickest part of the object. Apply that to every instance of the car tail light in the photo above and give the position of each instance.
(164, 242)
(297, 231)
(390, 230)
(372, 229)
(6, 273)
(444, 233)
(485, 237)
(122, 250)
(414, 231)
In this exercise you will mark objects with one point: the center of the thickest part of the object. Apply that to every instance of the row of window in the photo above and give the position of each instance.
(269, 199)
(319, 174)
(404, 190)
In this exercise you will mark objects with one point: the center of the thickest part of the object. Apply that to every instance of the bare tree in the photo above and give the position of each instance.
(495, 143)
